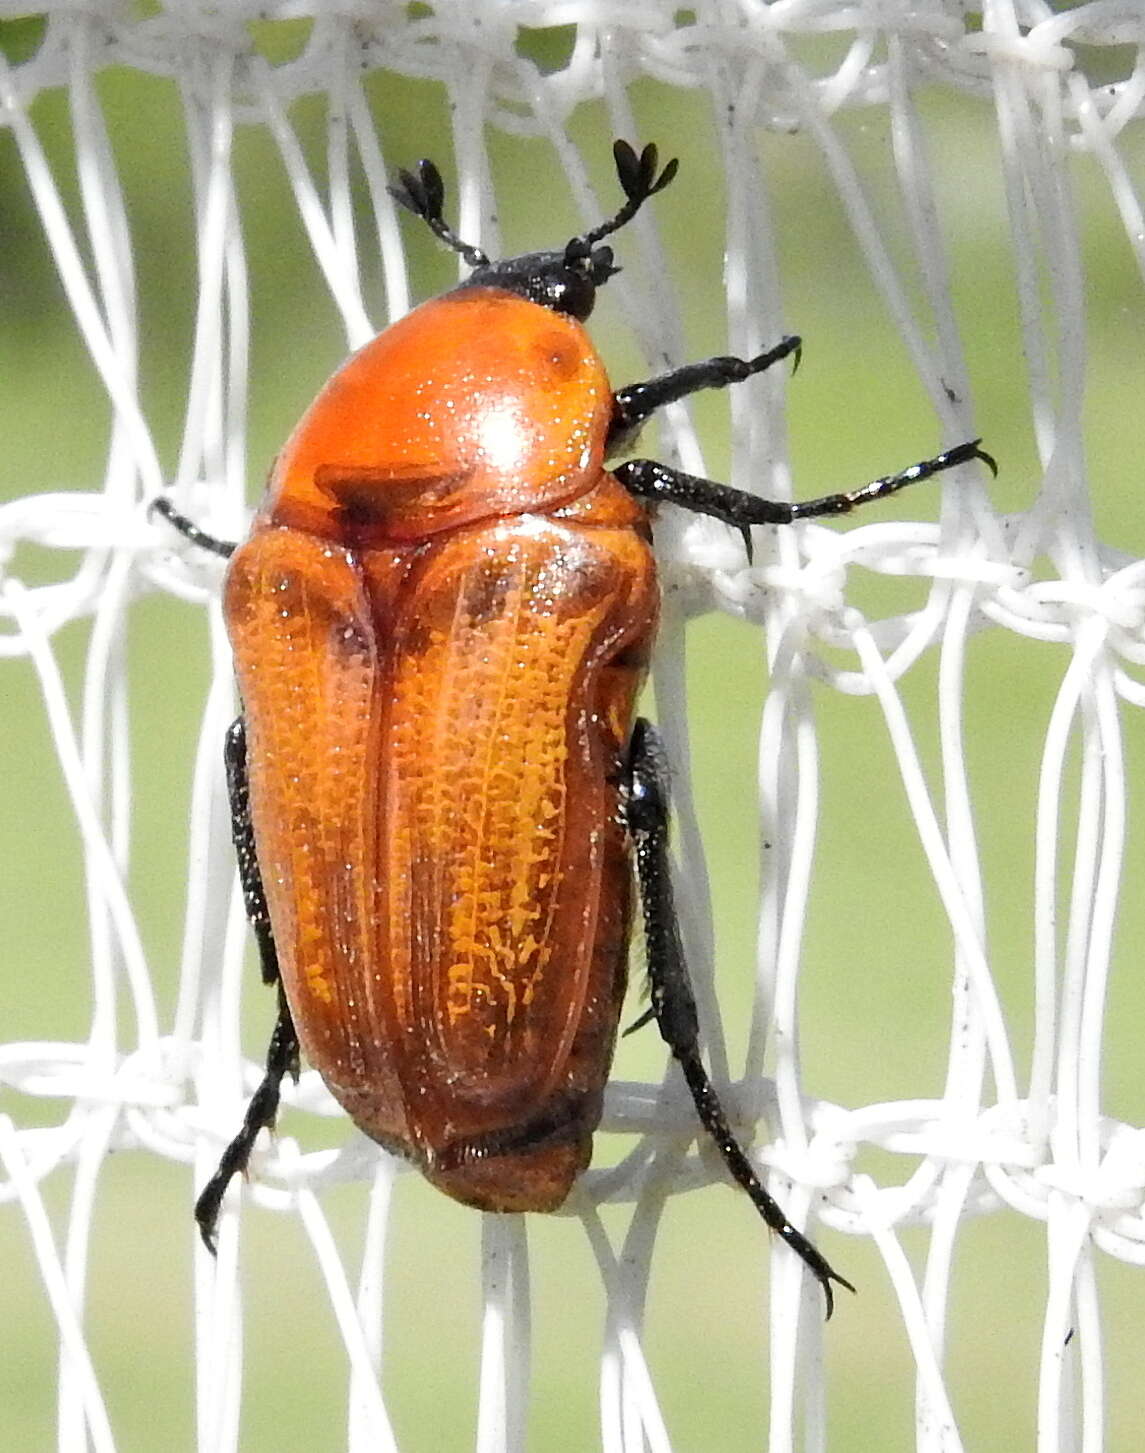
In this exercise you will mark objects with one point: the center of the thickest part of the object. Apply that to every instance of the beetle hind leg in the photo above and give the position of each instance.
(282, 1055)
(673, 1003)
(242, 834)
(281, 1059)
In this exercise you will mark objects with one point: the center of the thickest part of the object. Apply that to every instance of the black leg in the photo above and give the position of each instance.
(281, 1059)
(657, 483)
(282, 1056)
(633, 405)
(161, 505)
(673, 1003)
(242, 831)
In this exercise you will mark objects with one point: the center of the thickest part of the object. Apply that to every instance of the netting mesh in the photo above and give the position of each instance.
(1019, 1107)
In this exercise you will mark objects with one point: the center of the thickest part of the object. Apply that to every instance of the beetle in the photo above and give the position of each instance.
(441, 619)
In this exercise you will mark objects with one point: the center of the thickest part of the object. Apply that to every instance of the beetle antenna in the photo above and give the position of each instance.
(638, 178)
(423, 194)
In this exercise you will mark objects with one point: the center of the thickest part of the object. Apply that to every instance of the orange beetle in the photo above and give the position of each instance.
(440, 620)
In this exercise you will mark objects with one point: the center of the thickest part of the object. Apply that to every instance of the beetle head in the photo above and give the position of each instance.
(564, 281)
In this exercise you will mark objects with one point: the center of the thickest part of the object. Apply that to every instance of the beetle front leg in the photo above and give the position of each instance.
(673, 1003)
(281, 1059)
(282, 1056)
(634, 405)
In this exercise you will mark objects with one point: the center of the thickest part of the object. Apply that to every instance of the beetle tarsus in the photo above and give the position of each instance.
(673, 1002)
(840, 504)
(714, 1120)
(281, 1059)
(637, 1024)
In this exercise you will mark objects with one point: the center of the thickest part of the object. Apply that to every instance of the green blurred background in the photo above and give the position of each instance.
(875, 992)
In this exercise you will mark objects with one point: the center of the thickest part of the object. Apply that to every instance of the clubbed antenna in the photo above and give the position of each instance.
(423, 194)
(638, 178)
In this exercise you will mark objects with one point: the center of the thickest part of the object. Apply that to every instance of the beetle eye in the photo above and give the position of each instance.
(602, 266)
(576, 294)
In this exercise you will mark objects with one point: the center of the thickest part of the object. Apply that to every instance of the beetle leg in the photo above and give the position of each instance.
(673, 1003)
(242, 832)
(281, 1059)
(638, 1024)
(632, 406)
(282, 1056)
(161, 505)
(647, 479)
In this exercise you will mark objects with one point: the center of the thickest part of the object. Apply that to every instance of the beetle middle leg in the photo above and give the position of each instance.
(282, 1056)
(650, 480)
(673, 1003)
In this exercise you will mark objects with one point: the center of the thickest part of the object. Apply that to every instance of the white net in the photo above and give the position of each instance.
(946, 202)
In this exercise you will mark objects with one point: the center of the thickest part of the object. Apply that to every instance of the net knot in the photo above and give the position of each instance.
(823, 1164)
